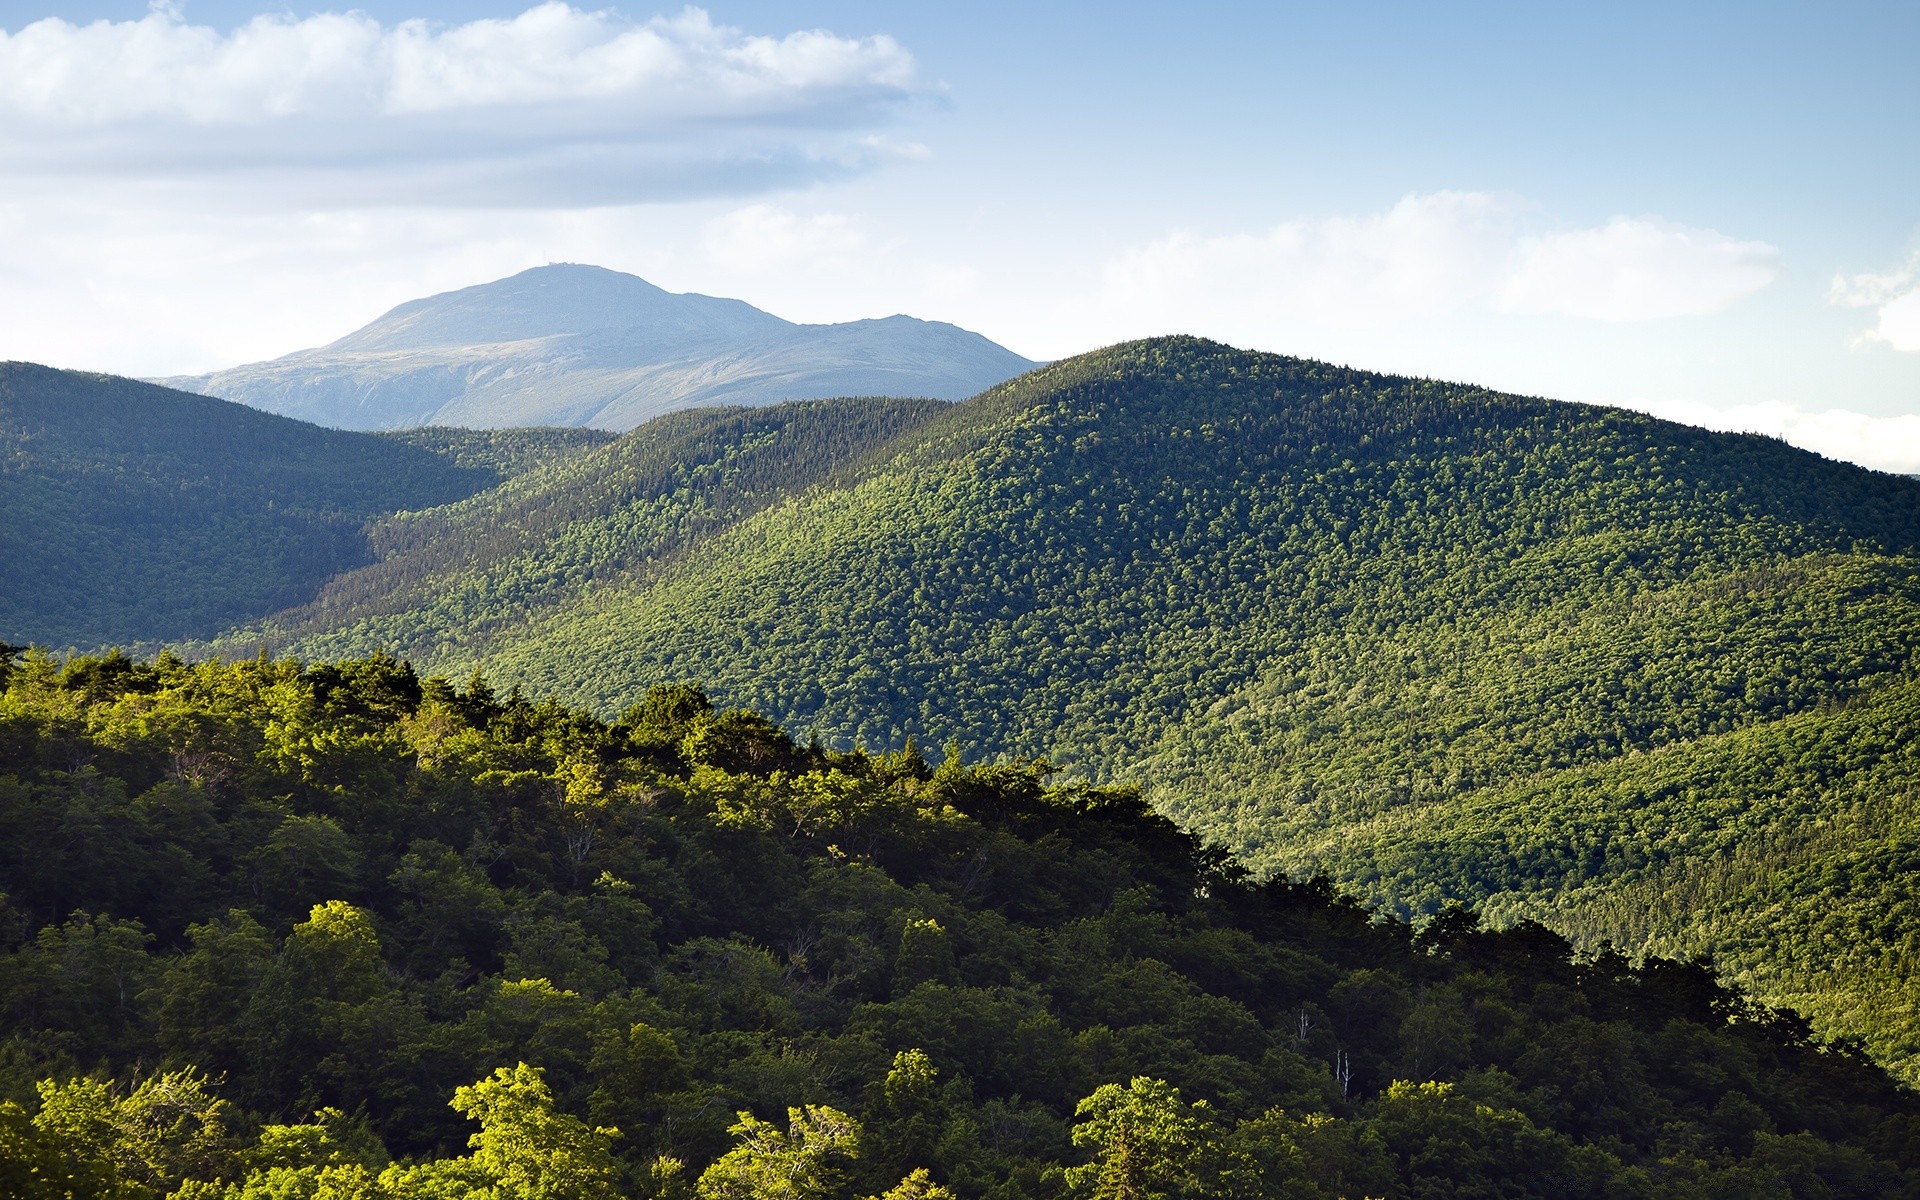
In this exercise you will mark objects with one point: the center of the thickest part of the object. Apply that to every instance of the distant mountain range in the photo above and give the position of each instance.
(575, 345)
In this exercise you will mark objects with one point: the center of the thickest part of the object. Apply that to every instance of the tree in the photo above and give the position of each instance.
(803, 1163)
(1147, 1143)
(529, 1150)
(905, 1117)
(917, 1186)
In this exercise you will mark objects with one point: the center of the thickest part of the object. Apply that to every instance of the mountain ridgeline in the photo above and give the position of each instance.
(574, 345)
(1627, 676)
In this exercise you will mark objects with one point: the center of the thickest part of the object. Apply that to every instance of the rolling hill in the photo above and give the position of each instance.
(136, 513)
(1438, 642)
(575, 345)
(445, 579)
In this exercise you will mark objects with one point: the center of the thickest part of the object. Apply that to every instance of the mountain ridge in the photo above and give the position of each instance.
(568, 344)
(137, 513)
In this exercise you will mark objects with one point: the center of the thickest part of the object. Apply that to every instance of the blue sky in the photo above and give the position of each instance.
(1710, 211)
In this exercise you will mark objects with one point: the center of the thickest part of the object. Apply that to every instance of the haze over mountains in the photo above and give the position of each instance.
(576, 345)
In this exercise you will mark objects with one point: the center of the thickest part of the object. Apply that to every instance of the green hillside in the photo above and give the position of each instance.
(136, 513)
(1332, 620)
(445, 579)
(338, 932)
(505, 452)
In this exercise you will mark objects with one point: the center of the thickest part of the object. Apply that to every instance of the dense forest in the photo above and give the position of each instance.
(137, 513)
(1649, 685)
(275, 931)
(1646, 683)
(443, 580)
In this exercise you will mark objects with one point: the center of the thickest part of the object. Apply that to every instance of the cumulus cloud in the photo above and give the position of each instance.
(1636, 269)
(1896, 294)
(556, 105)
(1424, 255)
(1431, 255)
(1883, 443)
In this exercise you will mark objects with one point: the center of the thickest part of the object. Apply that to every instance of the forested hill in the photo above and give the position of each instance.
(136, 513)
(273, 931)
(445, 580)
(1126, 533)
(1435, 640)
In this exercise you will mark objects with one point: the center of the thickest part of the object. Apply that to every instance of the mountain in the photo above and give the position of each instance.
(577, 345)
(1641, 681)
(445, 578)
(272, 930)
(136, 513)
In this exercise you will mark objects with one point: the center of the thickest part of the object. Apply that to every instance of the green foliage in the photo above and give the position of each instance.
(529, 1149)
(1642, 682)
(446, 581)
(779, 970)
(1146, 1144)
(800, 1163)
(505, 452)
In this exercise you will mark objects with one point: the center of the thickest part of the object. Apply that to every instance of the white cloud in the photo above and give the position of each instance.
(832, 266)
(1883, 443)
(1424, 255)
(1636, 269)
(124, 284)
(1427, 256)
(1900, 322)
(1896, 294)
(557, 105)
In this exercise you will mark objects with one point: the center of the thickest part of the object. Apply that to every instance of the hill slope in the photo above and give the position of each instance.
(446, 580)
(136, 513)
(682, 946)
(1322, 613)
(577, 345)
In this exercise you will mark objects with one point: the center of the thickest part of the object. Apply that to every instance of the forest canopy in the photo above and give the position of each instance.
(275, 929)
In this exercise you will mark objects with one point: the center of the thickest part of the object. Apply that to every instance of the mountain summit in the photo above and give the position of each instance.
(568, 344)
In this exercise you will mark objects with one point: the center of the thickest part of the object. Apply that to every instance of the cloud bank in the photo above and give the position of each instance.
(1636, 269)
(556, 106)
(1896, 294)
(1431, 255)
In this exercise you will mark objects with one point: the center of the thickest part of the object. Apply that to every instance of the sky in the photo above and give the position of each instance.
(1706, 211)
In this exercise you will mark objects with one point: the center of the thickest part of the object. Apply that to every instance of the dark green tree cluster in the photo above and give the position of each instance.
(505, 452)
(337, 931)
